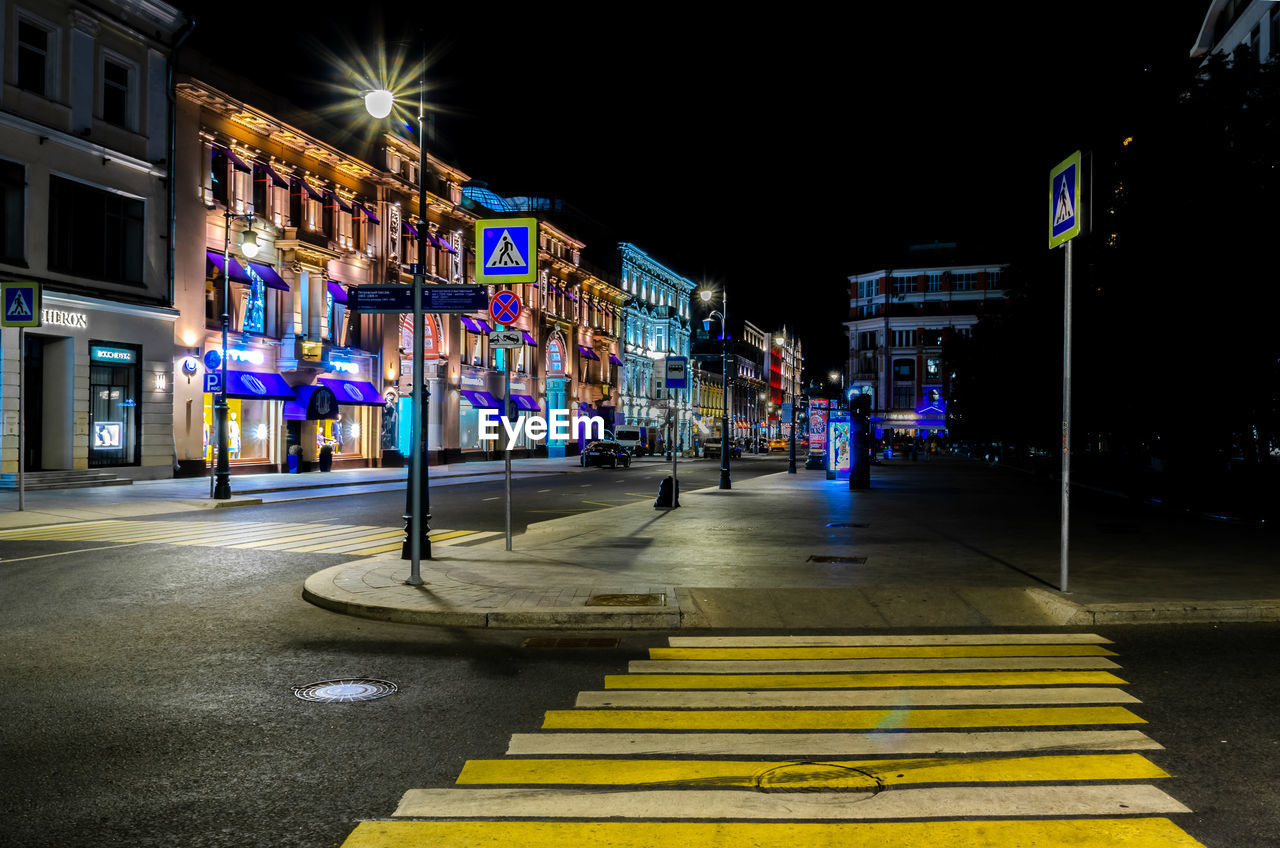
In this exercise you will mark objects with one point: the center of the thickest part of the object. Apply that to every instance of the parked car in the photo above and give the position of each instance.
(611, 454)
(631, 438)
(778, 445)
(711, 449)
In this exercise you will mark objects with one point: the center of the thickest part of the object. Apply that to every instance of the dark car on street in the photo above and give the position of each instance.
(611, 454)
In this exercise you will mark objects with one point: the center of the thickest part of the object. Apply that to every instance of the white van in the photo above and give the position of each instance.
(630, 438)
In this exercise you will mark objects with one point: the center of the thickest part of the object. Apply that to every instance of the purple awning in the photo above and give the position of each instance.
(588, 353)
(473, 325)
(311, 192)
(440, 243)
(270, 173)
(368, 213)
(481, 400)
(257, 385)
(613, 357)
(409, 229)
(526, 403)
(353, 391)
(528, 339)
(243, 272)
(338, 292)
(343, 205)
(236, 161)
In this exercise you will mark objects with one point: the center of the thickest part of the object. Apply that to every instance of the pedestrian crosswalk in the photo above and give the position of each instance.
(983, 741)
(323, 538)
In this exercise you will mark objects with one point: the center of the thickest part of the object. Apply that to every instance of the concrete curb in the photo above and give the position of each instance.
(1068, 613)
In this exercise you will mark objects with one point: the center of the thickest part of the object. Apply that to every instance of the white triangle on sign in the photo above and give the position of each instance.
(1064, 211)
(19, 309)
(505, 254)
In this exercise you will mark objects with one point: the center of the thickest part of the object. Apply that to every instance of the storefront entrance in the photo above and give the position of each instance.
(115, 413)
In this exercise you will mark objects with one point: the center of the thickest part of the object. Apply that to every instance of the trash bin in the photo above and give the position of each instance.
(326, 458)
(668, 494)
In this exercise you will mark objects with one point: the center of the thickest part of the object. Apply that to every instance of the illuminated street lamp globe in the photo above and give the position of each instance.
(249, 244)
(378, 103)
(705, 294)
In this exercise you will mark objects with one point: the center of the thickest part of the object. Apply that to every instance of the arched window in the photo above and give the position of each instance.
(555, 358)
(430, 336)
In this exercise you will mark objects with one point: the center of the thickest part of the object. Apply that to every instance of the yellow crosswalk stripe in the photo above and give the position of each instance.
(782, 774)
(1077, 833)
(836, 653)
(848, 681)
(731, 698)
(379, 549)
(22, 532)
(816, 640)
(865, 719)
(327, 531)
(344, 545)
(874, 664)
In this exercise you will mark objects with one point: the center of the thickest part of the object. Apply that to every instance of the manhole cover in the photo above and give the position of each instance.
(658, 599)
(341, 691)
(841, 524)
(818, 777)
(844, 560)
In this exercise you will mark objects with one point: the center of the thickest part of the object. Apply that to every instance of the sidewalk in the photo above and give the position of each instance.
(942, 543)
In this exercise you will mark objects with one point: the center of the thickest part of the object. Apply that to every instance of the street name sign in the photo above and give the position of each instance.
(506, 338)
(434, 298)
(508, 249)
(1064, 200)
(21, 304)
(677, 372)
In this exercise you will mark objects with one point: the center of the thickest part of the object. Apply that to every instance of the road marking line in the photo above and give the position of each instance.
(867, 680)
(53, 528)
(494, 498)
(784, 774)
(949, 801)
(864, 719)
(451, 534)
(347, 545)
(165, 533)
(381, 549)
(67, 532)
(231, 534)
(879, 651)
(4, 561)
(327, 531)
(1078, 833)
(540, 491)
(913, 664)
(911, 639)
(852, 698)
(828, 744)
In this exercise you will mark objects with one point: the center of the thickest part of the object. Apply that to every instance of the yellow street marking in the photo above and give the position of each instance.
(451, 534)
(381, 549)
(854, 681)
(830, 698)
(833, 719)
(1078, 833)
(905, 639)
(6, 560)
(601, 503)
(217, 536)
(339, 545)
(71, 534)
(784, 774)
(20, 532)
(328, 531)
(837, 653)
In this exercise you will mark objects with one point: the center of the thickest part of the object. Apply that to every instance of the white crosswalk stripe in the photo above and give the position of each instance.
(987, 741)
(322, 538)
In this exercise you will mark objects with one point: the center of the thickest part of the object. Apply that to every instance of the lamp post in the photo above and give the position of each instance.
(417, 543)
(221, 487)
(706, 295)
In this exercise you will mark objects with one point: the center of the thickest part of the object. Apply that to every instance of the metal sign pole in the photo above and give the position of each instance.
(506, 403)
(22, 422)
(1066, 413)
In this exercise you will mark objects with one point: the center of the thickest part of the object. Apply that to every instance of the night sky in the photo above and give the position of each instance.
(776, 152)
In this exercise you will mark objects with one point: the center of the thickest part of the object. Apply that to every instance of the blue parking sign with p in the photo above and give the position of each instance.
(21, 302)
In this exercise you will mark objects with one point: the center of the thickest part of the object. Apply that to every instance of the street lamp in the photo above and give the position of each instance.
(417, 543)
(221, 488)
(706, 295)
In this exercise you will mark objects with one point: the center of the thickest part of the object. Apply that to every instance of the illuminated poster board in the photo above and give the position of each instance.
(818, 424)
(839, 453)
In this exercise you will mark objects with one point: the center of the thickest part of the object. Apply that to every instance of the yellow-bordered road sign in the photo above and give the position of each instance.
(21, 303)
(508, 250)
(1065, 209)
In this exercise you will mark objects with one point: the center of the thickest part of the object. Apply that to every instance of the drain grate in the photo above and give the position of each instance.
(553, 642)
(842, 560)
(343, 691)
(843, 524)
(657, 599)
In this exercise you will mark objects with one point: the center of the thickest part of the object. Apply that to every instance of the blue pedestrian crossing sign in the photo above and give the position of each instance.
(1065, 209)
(508, 249)
(21, 304)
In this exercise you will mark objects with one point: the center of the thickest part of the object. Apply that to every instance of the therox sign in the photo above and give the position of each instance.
(538, 428)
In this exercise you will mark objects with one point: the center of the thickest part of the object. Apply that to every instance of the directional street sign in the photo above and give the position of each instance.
(505, 307)
(505, 338)
(21, 304)
(434, 298)
(213, 382)
(1065, 200)
(508, 249)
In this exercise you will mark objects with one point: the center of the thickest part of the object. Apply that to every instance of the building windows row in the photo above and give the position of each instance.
(37, 45)
(95, 233)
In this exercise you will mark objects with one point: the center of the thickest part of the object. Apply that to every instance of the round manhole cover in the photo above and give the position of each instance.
(342, 691)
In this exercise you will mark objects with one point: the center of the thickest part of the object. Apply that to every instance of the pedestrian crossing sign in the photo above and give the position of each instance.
(508, 249)
(1064, 200)
(21, 304)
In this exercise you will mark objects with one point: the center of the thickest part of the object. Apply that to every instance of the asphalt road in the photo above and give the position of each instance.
(150, 695)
